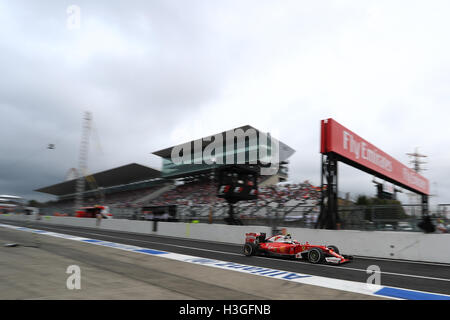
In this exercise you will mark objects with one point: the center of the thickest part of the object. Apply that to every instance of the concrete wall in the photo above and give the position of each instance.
(381, 244)
(414, 246)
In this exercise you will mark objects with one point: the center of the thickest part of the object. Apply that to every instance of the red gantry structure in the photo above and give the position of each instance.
(341, 144)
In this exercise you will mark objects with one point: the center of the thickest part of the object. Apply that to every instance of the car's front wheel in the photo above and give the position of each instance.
(315, 256)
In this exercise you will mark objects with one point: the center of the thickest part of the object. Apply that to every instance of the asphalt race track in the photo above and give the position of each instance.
(422, 276)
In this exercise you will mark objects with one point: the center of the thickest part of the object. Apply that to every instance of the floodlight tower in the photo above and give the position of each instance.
(416, 165)
(415, 161)
(82, 160)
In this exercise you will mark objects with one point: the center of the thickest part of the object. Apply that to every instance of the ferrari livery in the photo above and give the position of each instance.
(284, 246)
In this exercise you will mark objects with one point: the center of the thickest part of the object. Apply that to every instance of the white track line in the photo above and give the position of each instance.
(406, 261)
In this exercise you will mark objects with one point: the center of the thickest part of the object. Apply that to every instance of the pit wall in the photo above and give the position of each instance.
(413, 246)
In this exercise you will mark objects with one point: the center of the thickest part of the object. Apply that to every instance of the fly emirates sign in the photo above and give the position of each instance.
(360, 149)
(338, 139)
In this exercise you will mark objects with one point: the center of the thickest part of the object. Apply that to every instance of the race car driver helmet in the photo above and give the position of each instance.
(288, 237)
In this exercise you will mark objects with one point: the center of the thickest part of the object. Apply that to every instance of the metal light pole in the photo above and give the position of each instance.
(82, 161)
(213, 174)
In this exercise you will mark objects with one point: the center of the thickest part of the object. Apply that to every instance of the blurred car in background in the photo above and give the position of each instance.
(91, 212)
(405, 226)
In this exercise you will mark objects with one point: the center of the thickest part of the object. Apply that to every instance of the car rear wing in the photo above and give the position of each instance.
(253, 237)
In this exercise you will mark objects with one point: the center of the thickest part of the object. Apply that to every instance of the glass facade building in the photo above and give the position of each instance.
(202, 155)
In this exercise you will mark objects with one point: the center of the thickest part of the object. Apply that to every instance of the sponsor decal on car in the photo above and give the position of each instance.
(333, 259)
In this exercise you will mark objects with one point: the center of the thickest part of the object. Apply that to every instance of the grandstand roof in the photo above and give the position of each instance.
(126, 174)
(166, 153)
(285, 150)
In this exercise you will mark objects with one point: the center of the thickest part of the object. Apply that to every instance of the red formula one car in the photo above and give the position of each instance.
(286, 247)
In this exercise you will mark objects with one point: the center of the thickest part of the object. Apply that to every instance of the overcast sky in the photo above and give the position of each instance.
(159, 73)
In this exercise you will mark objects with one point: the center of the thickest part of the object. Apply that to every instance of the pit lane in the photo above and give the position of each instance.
(422, 276)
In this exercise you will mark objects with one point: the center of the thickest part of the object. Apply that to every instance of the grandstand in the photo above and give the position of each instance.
(190, 186)
(198, 198)
(120, 187)
(197, 193)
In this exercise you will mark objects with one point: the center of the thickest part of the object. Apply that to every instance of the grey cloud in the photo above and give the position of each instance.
(151, 70)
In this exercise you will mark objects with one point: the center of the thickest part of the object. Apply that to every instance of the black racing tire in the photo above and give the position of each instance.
(249, 249)
(315, 256)
(334, 248)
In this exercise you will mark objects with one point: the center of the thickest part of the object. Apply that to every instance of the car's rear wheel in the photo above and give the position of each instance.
(315, 256)
(334, 248)
(249, 249)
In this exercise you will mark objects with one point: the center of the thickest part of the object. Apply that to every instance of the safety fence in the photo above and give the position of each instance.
(380, 218)
(297, 214)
